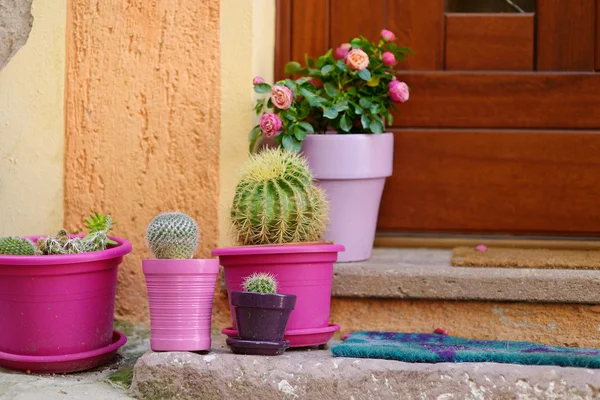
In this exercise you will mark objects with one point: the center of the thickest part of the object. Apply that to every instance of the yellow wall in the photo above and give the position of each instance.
(32, 127)
(143, 122)
(247, 50)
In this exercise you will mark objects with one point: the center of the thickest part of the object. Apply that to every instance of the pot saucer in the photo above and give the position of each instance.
(256, 347)
(300, 337)
(64, 363)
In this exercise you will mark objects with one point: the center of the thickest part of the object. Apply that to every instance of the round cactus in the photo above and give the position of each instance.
(16, 246)
(276, 201)
(172, 235)
(260, 283)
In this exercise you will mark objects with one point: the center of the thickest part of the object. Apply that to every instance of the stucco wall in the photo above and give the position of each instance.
(142, 122)
(32, 125)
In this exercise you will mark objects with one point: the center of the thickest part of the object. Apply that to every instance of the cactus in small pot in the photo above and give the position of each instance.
(276, 201)
(172, 235)
(262, 282)
(16, 246)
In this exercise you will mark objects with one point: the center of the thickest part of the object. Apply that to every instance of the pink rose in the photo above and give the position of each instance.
(281, 97)
(257, 80)
(388, 36)
(270, 124)
(398, 91)
(357, 60)
(389, 58)
(342, 51)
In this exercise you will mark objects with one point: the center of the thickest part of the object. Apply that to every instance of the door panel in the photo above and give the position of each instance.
(565, 35)
(502, 131)
(473, 42)
(494, 181)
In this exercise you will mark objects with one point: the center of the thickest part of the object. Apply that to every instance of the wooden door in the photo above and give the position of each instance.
(502, 132)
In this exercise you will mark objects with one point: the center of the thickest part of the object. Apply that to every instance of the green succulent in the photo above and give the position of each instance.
(16, 246)
(261, 282)
(172, 235)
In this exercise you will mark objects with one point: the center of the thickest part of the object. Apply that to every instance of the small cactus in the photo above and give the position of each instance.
(260, 283)
(172, 235)
(277, 202)
(61, 243)
(16, 246)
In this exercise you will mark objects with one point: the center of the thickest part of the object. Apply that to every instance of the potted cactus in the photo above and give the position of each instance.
(261, 315)
(180, 288)
(279, 218)
(57, 298)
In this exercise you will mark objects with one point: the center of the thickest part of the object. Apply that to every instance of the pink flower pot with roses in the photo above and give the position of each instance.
(339, 125)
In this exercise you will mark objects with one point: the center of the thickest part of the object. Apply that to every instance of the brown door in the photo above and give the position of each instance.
(502, 132)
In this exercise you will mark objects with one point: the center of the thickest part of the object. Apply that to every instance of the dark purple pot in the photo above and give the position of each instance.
(262, 316)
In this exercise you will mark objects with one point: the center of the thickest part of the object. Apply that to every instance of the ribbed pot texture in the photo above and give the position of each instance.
(262, 316)
(180, 293)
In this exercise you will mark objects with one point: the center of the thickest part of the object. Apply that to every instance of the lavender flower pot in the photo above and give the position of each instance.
(352, 169)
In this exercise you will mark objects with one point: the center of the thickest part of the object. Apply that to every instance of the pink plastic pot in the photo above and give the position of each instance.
(58, 305)
(352, 170)
(180, 293)
(305, 270)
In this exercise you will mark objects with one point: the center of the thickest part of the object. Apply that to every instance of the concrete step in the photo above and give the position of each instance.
(315, 374)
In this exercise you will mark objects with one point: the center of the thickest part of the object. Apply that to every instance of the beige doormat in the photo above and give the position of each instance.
(510, 257)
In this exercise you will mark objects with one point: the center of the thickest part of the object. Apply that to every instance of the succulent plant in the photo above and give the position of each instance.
(61, 243)
(16, 246)
(276, 201)
(172, 235)
(260, 283)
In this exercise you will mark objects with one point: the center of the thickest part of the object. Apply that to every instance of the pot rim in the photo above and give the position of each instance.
(180, 266)
(288, 301)
(124, 247)
(298, 248)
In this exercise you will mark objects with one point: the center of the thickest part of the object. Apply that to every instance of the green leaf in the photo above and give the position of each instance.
(292, 67)
(345, 123)
(356, 43)
(330, 113)
(390, 118)
(299, 133)
(365, 102)
(365, 121)
(341, 105)
(315, 73)
(316, 101)
(309, 61)
(327, 69)
(364, 74)
(288, 115)
(352, 91)
(358, 110)
(330, 89)
(307, 127)
(306, 93)
(405, 50)
(376, 126)
(291, 143)
(321, 61)
(374, 108)
(262, 88)
(255, 133)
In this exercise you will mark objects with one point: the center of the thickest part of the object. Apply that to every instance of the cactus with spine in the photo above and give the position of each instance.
(172, 235)
(16, 246)
(262, 282)
(276, 201)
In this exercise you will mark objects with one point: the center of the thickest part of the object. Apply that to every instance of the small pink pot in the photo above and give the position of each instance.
(352, 169)
(304, 270)
(180, 293)
(58, 305)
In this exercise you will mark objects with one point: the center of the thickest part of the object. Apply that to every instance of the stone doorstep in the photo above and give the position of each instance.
(403, 273)
(316, 374)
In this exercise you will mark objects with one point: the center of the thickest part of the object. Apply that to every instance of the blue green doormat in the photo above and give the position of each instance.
(434, 348)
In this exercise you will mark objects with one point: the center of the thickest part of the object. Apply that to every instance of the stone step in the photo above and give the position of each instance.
(316, 374)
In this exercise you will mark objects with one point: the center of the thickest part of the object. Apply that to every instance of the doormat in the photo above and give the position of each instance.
(434, 348)
(509, 257)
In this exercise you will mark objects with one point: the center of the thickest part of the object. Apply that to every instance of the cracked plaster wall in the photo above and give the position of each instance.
(15, 25)
(143, 122)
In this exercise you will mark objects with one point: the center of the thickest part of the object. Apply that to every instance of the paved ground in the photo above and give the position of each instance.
(110, 382)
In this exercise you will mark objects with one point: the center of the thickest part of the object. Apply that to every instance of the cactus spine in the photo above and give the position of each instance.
(260, 283)
(16, 246)
(276, 201)
(172, 235)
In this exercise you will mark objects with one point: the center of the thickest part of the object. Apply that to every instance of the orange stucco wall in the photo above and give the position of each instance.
(142, 122)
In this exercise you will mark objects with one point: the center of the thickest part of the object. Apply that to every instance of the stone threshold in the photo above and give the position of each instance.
(316, 374)
(403, 273)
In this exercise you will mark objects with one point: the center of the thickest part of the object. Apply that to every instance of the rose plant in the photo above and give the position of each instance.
(351, 89)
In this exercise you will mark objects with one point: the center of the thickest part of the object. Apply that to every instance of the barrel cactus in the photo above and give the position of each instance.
(260, 283)
(172, 235)
(16, 246)
(276, 201)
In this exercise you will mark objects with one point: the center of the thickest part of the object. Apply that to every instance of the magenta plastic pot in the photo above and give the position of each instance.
(352, 170)
(58, 305)
(181, 294)
(304, 270)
